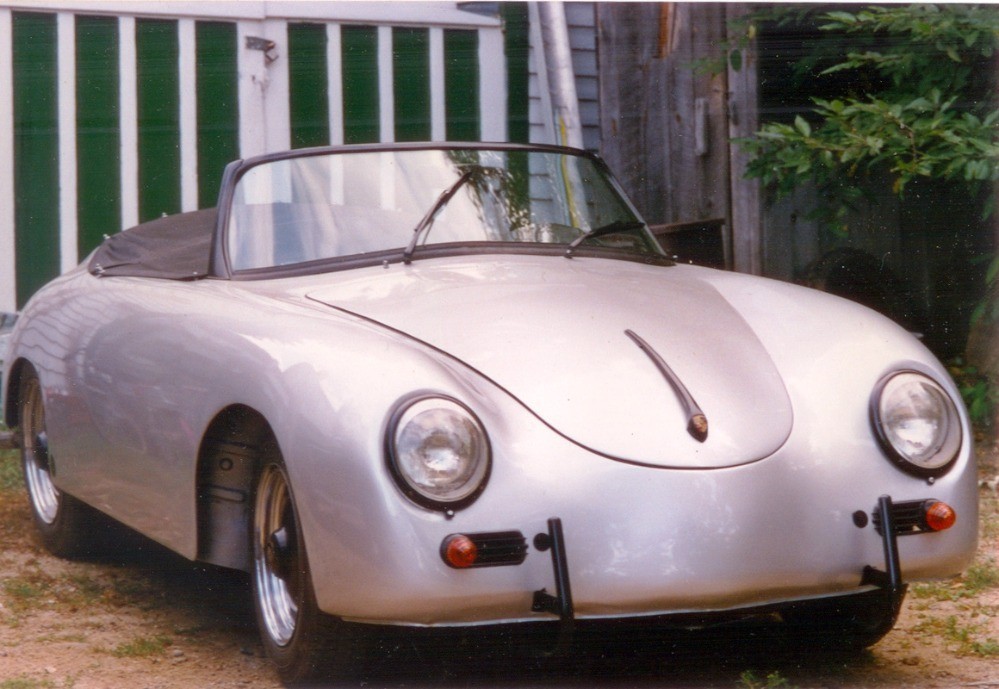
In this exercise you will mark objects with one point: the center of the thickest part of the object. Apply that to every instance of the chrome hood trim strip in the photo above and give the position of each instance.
(697, 422)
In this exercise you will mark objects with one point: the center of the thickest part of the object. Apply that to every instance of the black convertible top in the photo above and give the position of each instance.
(174, 247)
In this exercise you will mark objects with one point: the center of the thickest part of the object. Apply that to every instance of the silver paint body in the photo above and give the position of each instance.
(582, 426)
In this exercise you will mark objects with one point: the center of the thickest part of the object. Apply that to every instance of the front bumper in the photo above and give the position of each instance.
(891, 521)
(565, 557)
(639, 542)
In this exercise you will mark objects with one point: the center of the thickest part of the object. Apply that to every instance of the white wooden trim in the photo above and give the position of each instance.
(129, 122)
(539, 66)
(66, 117)
(8, 260)
(277, 105)
(395, 13)
(386, 81)
(438, 105)
(386, 112)
(251, 84)
(492, 85)
(334, 71)
(187, 65)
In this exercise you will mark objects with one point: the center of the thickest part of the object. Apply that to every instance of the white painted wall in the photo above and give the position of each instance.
(581, 18)
(262, 90)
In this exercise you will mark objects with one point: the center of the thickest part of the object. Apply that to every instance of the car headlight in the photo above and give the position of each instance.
(438, 452)
(916, 422)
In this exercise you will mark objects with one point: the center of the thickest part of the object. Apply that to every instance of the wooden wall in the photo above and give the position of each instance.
(666, 126)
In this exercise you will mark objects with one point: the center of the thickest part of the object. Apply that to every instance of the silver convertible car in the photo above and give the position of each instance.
(460, 385)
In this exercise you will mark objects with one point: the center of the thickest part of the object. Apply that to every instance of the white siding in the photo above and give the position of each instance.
(8, 266)
(263, 91)
(66, 75)
(581, 18)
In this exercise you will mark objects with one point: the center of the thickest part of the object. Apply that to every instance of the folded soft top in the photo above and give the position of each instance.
(174, 247)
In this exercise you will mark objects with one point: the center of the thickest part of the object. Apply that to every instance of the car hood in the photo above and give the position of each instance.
(553, 334)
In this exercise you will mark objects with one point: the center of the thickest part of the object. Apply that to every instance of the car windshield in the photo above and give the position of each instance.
(316, 207)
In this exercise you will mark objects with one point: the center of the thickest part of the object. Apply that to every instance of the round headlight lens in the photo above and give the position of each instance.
(917, 423)
(439, 452)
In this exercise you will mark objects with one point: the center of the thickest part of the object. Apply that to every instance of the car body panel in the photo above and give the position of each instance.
(553, 333)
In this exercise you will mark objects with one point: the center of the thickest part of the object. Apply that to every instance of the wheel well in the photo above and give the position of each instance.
(14, 392)
(237, 442)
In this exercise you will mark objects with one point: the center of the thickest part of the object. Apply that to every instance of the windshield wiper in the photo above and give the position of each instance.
(603, 230)
(427, 220)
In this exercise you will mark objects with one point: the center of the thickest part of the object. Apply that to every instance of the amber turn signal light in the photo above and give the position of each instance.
(459, 551)
(939, 516)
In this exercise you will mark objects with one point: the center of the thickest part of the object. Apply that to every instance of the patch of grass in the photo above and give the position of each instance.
(62, 638)
(980, 577)
(990, 515)
(33, 589)
(963, 639)
(143, 647)
(87, 591)
(30, 590)
(773, 680)
(25, 682)
(986, 649)
(10, 474)
(15, 521)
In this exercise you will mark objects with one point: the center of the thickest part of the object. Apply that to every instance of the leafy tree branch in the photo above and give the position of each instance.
(919, 111)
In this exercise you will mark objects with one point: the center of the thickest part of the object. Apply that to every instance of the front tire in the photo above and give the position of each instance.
(303, 643)
(67, 527)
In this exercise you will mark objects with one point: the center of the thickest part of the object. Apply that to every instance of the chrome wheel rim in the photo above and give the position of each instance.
(277, 562)
(34, 443)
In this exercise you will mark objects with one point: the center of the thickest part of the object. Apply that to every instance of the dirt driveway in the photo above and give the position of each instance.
(150, 620)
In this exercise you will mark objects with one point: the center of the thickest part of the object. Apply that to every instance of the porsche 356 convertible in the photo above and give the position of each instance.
(456, 385)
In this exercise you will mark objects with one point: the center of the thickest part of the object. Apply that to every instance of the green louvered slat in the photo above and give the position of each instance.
(36, 152)
(360, 84)
(461, 84)
(98, 139)
(516, 45)
(159, 117)
(218, 105)
(411, 83)
(308, 85)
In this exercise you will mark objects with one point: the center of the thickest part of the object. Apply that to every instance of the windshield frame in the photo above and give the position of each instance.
(221, 265)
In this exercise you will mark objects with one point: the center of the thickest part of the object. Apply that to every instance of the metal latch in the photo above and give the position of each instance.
(265, 45)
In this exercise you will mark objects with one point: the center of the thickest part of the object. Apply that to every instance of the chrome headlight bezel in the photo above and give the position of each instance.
(431, 417)
(912, 395)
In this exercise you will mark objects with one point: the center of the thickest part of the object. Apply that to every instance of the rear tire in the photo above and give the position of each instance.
(304, 643)
(67, 527)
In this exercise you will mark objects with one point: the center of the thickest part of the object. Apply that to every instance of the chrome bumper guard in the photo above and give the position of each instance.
(889, 580)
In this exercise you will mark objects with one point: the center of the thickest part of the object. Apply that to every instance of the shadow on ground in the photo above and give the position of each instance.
(217, 602)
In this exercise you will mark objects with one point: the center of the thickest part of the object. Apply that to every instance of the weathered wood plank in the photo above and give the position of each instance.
(663, 123)
(743, 120)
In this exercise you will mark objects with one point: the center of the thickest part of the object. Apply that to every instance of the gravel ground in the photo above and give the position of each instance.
(150, 620)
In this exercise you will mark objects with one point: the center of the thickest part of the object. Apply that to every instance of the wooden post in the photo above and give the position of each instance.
(745, 194)
(664, 128)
